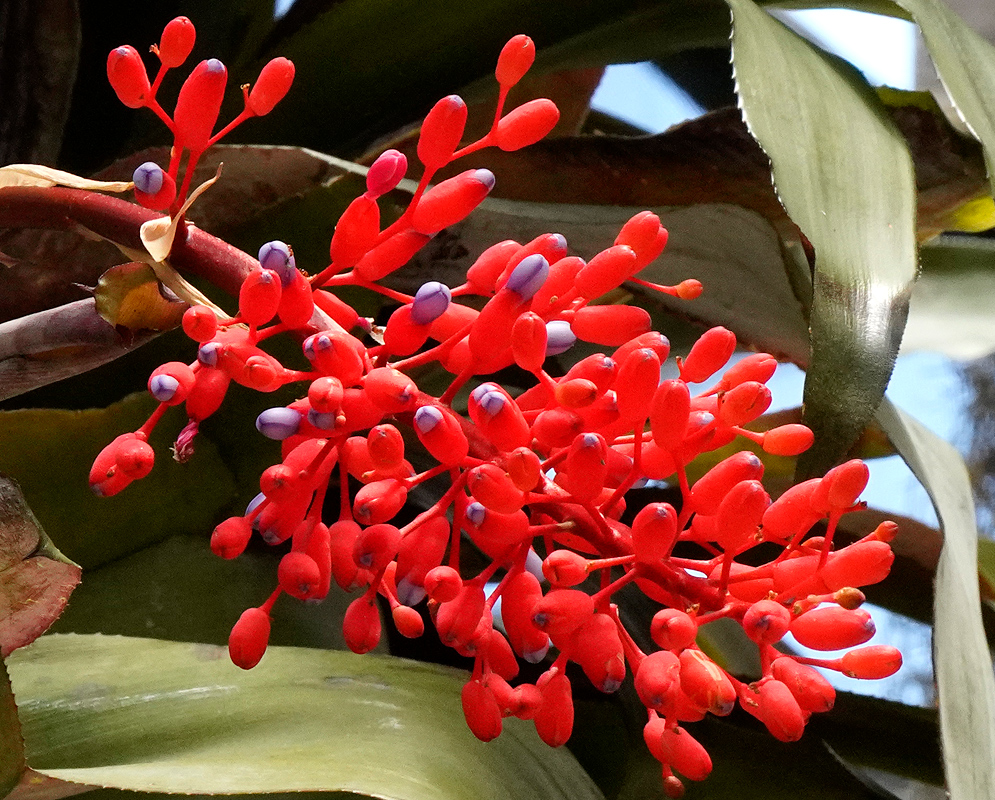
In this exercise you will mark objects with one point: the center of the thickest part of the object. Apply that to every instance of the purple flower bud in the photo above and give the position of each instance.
(427, 417)
(254, 504)
(492, 403)
(278, 423)
(481, 390)
(385, 173)
(277, 256)
(148, 178)
(207, 354)
(324, 421)
(431, 301)
(559, 337)
(408, 594)
(528, 277)
(476, 514)
(163, 387)
(533, 564)
(316, 342)
(484, 176)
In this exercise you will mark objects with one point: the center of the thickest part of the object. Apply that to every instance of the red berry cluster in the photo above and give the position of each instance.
(537, 482)
(197, 107)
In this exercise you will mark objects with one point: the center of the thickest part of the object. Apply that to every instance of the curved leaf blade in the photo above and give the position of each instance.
(966, 65)
(845, 177)
(962, 662)
(173, 717)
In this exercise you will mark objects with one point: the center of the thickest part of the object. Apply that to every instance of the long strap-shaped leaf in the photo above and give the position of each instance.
(179, 718)
(966, 65)
(961, 660)
(845, 177)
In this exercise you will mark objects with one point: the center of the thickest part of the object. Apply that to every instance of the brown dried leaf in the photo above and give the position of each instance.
(130, 296)
(35, 578)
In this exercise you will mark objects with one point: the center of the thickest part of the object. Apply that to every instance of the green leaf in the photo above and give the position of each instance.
(35, 578)
(845, 177)
(965, 63)
(962, 662)
(179, 590)
(49, 452)
(147, 715)
(951, 310)
(11, 744)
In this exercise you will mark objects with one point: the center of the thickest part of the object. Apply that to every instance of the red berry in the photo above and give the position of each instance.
(456, 620)
(379, 501)
(743, 403)
(562, 611)
(172, 382)
(128, 458)
(376, 545)
(636, 382)
(564, 568)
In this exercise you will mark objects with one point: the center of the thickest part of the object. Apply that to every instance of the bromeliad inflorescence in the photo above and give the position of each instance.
(538, 482)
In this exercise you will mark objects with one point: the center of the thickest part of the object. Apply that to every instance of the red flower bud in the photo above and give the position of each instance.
(271, 86)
